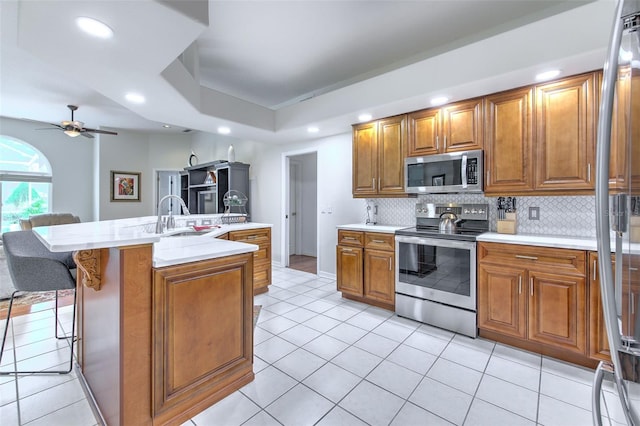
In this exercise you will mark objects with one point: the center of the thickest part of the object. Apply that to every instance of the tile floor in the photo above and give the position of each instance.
(323, 360)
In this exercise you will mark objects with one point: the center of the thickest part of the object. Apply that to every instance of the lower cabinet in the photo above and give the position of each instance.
(202, 335)
(366, 267)
(535, 298)
(261, 258)
(598, 340)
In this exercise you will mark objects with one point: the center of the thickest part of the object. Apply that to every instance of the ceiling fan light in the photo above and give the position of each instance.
(94, 27)
(72, 133)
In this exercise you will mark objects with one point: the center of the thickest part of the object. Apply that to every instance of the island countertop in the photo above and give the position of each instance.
(168, 249)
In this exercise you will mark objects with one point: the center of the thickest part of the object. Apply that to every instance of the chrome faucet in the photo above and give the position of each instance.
(170, 221)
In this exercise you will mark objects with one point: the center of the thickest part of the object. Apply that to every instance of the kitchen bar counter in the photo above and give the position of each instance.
(165, 323)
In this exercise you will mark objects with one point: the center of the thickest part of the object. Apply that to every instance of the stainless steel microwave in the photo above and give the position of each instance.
(442, 173)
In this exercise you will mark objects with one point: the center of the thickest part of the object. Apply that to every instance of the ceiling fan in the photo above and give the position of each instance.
(75, 128)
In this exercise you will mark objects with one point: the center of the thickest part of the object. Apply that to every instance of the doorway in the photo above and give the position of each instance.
(167, 182)
(300, 239)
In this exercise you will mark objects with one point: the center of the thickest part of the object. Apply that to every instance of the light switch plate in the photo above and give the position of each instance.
(534, 213)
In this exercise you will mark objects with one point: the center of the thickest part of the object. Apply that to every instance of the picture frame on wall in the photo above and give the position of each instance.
(125, 186)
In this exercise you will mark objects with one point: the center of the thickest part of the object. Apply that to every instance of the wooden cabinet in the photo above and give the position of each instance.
(565, 133)
(598, 340)
(508, 143)
(378, 158)
(456, 127)
(366, 267)
(541, 139)
(202, 334)
(261, 258)
(536, 297)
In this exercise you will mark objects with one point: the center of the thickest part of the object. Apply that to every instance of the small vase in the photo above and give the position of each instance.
(231, 154)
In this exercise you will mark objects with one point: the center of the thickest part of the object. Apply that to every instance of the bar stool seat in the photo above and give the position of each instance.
(33, 268)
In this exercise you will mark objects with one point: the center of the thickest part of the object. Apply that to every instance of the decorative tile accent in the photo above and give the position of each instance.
(559, 215)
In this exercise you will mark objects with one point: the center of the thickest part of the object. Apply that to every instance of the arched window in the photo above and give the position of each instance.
(25, 182)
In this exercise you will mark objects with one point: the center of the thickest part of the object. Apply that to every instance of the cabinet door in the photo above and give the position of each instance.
(557, 310)
(462, 126)
(365, 159)
(598, 341)
(424, 131)
(379, 275)
(509, 141)
(565, 134)
(349, 270)
(391, 153)
(502, 299)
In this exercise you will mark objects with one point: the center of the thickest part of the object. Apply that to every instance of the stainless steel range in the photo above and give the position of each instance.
(436, 266)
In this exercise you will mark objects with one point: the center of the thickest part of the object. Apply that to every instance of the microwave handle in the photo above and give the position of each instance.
(464, 170)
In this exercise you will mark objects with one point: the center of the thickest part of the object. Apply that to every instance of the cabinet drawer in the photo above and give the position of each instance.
(350, 238)
(261, 275)
(252, 236)
(565, 261)
(373, 240)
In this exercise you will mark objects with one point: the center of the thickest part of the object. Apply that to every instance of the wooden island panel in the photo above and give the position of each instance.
(146, 345)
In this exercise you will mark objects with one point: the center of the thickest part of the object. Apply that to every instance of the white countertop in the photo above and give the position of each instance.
(387, 229)
(167, 249)
(555, 241)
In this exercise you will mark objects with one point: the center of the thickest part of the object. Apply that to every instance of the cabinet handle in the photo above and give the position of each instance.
(488, 177)
(633, 269)
(389, 264)
(377, 241)
(531, 285)
(252, 237)
(633, 303)
(346, 249)
(374, 183)
(589, 172)
(519, 284)
(437, 142)
(522, 256)
(349, 238)
(594, 270)
(445, 142)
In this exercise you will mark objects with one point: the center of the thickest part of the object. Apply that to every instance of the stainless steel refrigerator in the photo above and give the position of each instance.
(618, 212)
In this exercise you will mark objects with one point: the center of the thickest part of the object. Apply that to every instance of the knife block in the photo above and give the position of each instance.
(508, 225)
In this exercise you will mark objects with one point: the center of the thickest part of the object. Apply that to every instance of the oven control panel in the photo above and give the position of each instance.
(462, 211)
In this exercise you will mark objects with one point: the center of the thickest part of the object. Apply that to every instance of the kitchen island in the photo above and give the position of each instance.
(165, 323)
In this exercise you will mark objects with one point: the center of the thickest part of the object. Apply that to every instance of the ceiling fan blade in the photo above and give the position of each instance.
(104, 132)
(86, 134)
(50, 128)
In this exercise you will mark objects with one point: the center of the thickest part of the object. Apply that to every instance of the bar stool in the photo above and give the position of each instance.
(33, 268)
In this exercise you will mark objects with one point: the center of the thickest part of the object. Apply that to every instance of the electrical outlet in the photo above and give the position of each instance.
(534, 213)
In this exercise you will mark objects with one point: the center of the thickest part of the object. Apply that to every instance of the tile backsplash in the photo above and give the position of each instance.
(559, 215)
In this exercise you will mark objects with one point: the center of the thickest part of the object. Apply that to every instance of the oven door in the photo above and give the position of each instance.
(435, 269)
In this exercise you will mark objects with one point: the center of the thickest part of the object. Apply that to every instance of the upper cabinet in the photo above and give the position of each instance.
(509, 141)
(565, 134)
(456, 127)
(378, 158)
(541, 139)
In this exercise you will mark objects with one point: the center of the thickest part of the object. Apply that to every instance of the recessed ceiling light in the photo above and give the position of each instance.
(94, 27)
(312, 129)
(547, 75)
(364, 117)
(439, 100)
(166, 126)
(224, 130)
(135, 98)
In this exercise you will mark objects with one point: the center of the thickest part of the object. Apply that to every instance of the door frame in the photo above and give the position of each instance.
(284, 208)
(156, 175)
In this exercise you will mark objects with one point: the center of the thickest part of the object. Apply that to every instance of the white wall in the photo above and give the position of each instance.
(141, 153)
(71, 163)
(81, 166)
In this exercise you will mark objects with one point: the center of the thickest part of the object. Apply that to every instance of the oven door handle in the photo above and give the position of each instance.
(436, 242)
